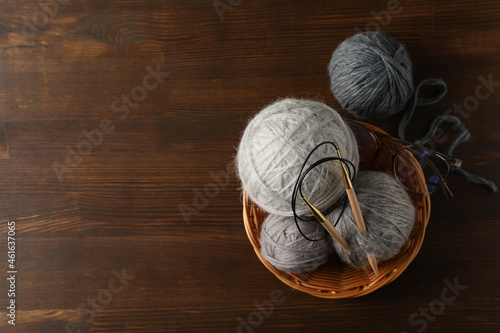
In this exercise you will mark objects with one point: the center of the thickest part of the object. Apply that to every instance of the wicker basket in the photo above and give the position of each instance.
(336, 279)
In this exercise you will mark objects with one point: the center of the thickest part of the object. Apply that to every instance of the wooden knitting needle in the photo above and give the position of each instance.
(353, 200)
(327, 225)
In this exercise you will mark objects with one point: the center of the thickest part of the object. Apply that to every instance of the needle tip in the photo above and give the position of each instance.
(373, 264)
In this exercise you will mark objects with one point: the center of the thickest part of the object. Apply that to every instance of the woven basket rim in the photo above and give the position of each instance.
(347, 282)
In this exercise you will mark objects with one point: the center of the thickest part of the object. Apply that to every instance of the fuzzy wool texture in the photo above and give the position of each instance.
(389, 216)
(276, 143)
(284, 247)
(371, 75)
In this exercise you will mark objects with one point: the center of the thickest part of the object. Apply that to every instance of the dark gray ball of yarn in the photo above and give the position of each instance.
(371, 75)
(283, 246)
(389, 216)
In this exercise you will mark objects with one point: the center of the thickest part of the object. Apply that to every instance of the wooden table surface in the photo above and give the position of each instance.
(118, 125)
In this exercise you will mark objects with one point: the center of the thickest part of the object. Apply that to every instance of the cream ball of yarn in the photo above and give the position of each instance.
(285, 248)
(389, 216)
(276, 143)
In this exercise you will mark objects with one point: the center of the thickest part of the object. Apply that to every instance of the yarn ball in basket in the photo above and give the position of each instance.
(371, 75)
(274, 146)
(285, 248)
(389, 216)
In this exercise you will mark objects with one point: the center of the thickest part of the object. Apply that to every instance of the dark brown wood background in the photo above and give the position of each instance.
(118, 207)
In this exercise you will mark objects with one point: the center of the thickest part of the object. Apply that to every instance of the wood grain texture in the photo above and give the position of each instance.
(158, 197)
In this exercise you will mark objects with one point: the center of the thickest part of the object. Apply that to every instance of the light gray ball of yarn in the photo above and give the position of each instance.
(285, 248)
(389, 216)
(371, 75)
(276, 143)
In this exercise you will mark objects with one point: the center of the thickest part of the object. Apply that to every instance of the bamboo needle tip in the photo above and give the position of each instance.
(327, 225)
(373, 264)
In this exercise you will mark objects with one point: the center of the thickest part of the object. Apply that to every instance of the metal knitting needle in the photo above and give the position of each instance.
(327, 225)
(353, 200)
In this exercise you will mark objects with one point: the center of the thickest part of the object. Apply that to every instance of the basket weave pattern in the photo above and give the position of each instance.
(336, 279)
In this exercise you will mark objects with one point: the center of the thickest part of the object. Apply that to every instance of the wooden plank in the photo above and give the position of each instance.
(158, 195)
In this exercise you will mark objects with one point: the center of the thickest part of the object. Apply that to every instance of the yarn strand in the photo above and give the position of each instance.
(463, 136)
(419, 101)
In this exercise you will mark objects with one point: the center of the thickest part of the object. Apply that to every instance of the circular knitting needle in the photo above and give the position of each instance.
(353, 200)
(327, 225)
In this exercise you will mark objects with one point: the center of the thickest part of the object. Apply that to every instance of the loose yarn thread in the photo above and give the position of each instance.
(463, 135)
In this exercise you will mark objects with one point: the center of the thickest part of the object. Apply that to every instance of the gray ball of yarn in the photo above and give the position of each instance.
(276, 143)
(371, 75)
(389, 216)
(285, 248)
